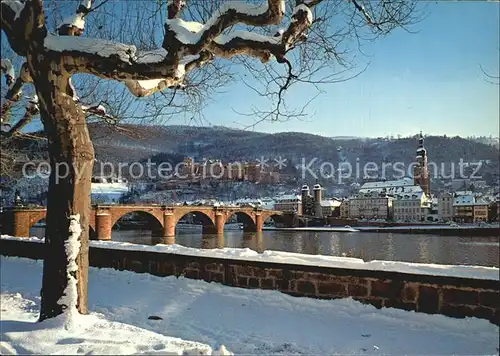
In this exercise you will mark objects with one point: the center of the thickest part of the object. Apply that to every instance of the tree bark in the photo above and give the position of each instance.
(71, 159)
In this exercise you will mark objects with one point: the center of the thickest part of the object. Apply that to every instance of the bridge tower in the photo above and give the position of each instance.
(318, 211)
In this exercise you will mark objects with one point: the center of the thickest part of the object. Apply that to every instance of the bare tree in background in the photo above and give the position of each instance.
(148, 48)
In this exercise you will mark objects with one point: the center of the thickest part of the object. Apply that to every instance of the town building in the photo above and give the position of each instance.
(315, 205)
(445, 206)
(411, 204)
(289, 203)
(398, 199)
(329, 206)
(370, 206)
(403, 199)
(344, 209)
(470, 209)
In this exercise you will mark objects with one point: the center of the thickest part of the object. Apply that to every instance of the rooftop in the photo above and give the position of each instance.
(466, 200)
(388, 183)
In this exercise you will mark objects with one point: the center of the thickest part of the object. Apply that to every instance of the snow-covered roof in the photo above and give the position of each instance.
(330, 203)
(388, 183)
(481, 201)
(464, 200)
(109, 188)
(409, 196)
(288, 197)
(403, 189)
(463, 192)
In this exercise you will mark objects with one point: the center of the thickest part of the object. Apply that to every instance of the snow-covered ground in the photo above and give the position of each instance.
(477, 272)
(245, 321)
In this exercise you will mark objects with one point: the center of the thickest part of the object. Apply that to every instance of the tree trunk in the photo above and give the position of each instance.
(71, 160)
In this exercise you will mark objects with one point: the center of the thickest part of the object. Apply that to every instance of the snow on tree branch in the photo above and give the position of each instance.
(75, 24)
(147, 72)
(15, 5)
(19, 22)
(180, 36)
(8, 70)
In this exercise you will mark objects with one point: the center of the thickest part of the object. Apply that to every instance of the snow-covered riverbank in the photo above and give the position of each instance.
(209, 314)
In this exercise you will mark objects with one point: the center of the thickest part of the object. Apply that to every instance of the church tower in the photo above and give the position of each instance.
(420, 171)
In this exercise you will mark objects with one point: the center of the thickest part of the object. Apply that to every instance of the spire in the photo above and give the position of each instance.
(421, 152)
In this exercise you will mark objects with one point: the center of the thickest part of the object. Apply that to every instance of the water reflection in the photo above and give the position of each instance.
(368, 246)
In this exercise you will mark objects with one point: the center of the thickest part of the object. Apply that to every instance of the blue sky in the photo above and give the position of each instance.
(430, 81)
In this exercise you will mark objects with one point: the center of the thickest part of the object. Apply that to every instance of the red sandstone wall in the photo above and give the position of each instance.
(455, 297)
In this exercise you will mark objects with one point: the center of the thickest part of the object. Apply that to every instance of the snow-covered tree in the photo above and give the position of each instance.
(156, 49)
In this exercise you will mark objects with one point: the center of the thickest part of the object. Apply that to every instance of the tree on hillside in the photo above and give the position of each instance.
(151, 48)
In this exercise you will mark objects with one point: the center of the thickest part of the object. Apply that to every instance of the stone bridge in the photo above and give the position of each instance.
(163, 219)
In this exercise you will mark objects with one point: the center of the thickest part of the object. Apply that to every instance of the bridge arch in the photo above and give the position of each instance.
(117, 213)
(244, 218)
(199, 216)
(147, 220)
(36, 217)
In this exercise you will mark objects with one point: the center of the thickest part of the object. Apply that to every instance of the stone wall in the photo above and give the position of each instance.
(451, 296)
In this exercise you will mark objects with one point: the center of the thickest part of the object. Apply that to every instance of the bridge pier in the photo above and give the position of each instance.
(219, 223)
(20, 224)
(218, 228)
(169, 225)
(258, 222)
(103, 226)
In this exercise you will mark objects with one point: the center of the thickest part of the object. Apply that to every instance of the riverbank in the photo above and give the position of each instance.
(427, 229)
(196, 317)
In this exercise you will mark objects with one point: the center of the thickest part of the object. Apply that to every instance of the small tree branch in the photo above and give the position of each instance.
(30, 112)
(16, 84)
(365, 14)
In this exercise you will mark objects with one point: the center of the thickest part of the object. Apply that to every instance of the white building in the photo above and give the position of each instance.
(411, 204)
(401, 199)
(370, 206)
(289, 203)
(328, 206)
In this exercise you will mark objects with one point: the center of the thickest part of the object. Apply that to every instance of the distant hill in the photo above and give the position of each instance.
(129, 143)
(220, 142)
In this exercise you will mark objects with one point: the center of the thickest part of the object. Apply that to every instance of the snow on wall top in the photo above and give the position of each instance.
(245, 254)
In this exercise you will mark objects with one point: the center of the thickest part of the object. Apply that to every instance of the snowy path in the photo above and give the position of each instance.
(246, 321)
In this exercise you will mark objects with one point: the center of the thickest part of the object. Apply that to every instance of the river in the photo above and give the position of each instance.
(455, 250)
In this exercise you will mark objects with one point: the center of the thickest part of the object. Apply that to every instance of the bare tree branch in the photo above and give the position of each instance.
(490, 78)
